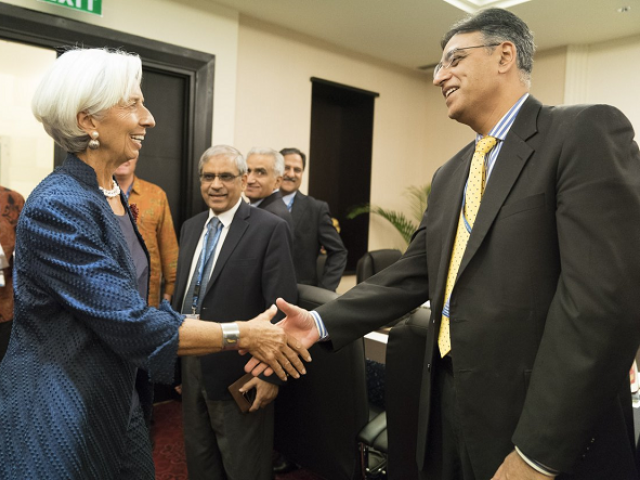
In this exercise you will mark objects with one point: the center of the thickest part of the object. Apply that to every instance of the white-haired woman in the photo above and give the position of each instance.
(68, 406)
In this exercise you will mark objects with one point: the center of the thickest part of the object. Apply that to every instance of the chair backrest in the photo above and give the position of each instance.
(405, 354)
(375, 261)
(319, 416)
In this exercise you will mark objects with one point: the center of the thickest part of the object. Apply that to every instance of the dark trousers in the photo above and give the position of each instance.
(447, 456)
(5, 334)
(221, 443)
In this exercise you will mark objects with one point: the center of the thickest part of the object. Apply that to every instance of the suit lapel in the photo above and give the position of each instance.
(509, 164)
(270, 199)
(299, 208)
(238, 227)
(449, 217)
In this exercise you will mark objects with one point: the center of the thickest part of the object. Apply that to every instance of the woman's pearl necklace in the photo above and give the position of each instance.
(114, 192)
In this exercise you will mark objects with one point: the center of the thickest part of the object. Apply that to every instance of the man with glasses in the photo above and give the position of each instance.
(265, 168)
(528, 253)
(234, 262)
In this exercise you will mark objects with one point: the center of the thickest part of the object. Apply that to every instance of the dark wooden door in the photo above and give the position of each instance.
(340, 158)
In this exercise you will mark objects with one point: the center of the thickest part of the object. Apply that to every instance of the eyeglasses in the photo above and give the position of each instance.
(225, 177)
(452, 58)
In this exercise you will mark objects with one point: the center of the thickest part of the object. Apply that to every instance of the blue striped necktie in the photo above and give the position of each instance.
(202, 272)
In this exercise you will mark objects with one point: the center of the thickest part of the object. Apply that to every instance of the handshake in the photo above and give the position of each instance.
(278, 348)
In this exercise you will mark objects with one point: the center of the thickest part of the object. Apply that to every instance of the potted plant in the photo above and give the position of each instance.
(418, 197)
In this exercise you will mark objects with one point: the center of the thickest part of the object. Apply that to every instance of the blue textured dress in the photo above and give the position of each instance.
(80, 332)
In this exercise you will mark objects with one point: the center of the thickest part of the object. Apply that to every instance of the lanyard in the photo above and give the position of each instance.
(205, 256)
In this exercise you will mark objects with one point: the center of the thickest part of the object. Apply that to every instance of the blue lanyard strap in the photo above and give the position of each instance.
(206, 255)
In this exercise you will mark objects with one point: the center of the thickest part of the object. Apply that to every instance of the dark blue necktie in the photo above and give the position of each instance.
(202, 272)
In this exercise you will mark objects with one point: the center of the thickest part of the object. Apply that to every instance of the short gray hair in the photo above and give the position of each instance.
(278, 159)
(83, 80)
(224, 150)
(496, 26)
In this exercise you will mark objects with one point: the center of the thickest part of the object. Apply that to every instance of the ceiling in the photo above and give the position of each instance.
(408, 32)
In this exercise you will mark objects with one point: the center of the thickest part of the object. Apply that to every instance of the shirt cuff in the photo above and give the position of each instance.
(322, 330)
(537, 466)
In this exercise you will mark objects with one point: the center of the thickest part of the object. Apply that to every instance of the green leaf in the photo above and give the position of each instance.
(418, 197)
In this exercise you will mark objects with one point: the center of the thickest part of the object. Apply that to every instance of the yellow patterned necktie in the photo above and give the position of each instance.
(468, 212)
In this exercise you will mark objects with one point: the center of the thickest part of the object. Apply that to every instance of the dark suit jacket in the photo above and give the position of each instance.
(253, 269)
(274, 204)
(313, 229)
(544, 311)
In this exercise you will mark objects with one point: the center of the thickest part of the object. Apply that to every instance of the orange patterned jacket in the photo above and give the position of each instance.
(156, 227)
(11, 204)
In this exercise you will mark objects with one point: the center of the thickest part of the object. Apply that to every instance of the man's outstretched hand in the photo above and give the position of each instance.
(300, 328)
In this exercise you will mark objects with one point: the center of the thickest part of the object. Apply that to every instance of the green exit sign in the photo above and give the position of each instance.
(88, 6)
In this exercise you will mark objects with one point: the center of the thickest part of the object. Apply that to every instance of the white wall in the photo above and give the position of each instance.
(26, 151)
(613, 74)
(195, 24)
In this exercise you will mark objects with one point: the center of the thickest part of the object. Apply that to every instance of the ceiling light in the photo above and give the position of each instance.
(625, 9)
(473, 6)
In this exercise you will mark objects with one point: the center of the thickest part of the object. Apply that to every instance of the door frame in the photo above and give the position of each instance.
(51, 31)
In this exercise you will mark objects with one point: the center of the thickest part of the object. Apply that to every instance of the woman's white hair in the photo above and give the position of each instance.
(83, 80)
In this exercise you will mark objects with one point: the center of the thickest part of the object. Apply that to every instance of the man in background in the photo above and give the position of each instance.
(313, 228)
(265, 168)
(156, 227)
(234, 262)
(11, 204)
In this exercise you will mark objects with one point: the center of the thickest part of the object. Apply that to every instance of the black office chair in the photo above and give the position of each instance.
(319, 416)
(405, 354)
(388, 441)
(374, 448)
(375, 261)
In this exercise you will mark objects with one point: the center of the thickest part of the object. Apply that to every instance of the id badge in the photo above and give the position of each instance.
(195, 316)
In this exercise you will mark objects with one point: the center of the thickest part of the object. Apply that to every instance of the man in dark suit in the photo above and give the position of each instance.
(530, 379)
(265, 168)
(251, 267)
(313, 228)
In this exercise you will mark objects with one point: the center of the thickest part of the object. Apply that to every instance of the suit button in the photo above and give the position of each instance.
(428, 367)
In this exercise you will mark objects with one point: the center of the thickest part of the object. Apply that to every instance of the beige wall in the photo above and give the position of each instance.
(26, 151)
(274, 108)
(612, 77)
(548, 77)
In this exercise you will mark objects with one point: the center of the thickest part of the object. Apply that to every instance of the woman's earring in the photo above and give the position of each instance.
(94, 143)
